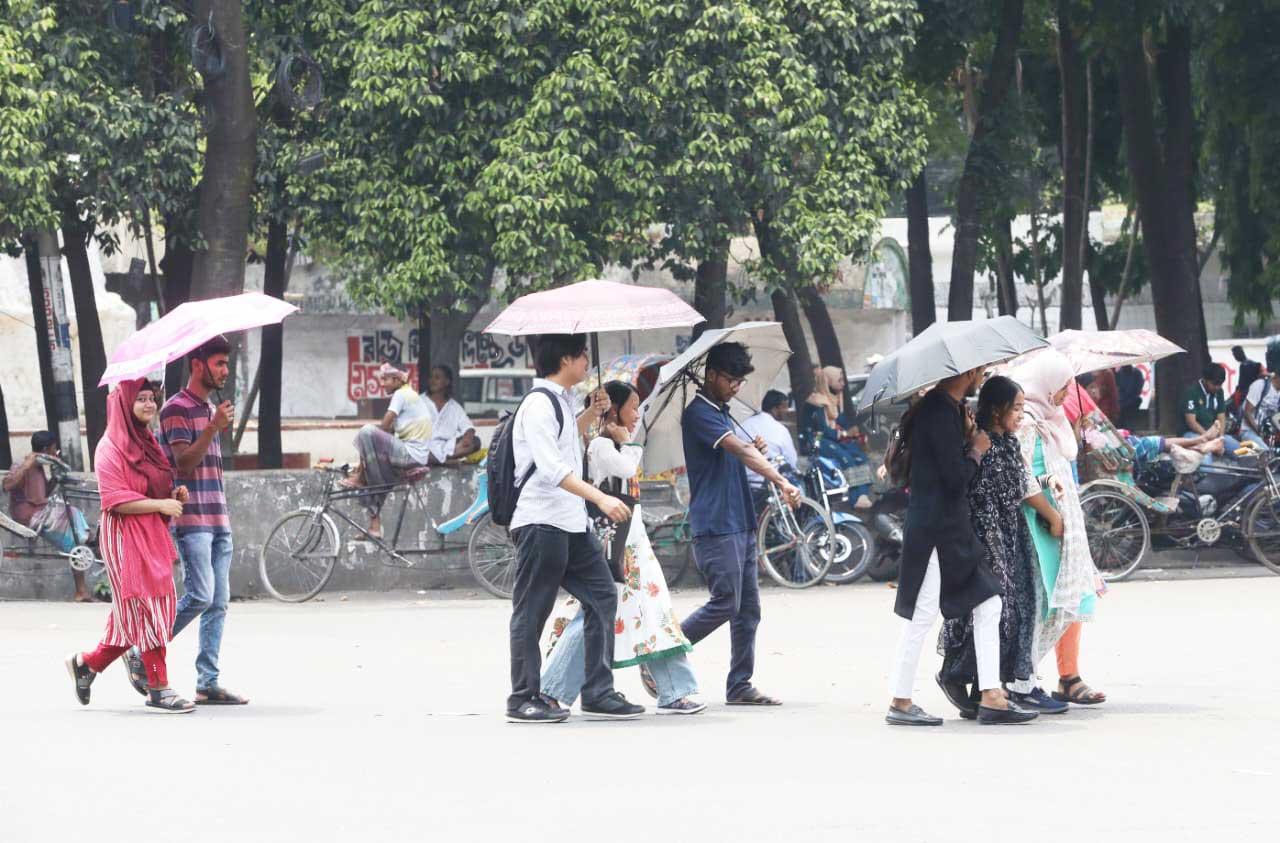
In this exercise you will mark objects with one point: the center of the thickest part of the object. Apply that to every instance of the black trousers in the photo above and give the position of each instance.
(547, 559)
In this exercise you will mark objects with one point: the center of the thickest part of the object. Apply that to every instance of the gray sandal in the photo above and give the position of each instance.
(168, 702)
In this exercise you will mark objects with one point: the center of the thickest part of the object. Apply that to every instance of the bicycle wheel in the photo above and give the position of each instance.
(670, 541)
(795, 546)
(855, 547)
(297, 559)
(1262, 531)
(492, 557)
(1119, 535)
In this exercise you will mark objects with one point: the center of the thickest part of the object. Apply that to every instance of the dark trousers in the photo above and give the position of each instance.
(728, 564)
(548, 558)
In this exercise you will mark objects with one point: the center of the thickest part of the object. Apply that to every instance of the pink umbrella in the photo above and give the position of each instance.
(1090, 351)
(590, 307)
(189, 326)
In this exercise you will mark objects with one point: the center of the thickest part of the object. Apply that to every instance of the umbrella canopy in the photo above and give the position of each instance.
(943, 350)
(189, 326)
(679, 380)
(639, 370)
(590, 307)
(1090, 351)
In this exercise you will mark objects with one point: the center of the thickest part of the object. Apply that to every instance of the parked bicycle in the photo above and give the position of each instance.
(298, 557)
(1231, 503)
(795, 546)
(65, 490)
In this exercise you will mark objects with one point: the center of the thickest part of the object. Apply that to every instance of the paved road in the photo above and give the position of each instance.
(378, 719)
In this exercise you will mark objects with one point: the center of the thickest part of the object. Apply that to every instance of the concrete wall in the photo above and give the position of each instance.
(258, 498)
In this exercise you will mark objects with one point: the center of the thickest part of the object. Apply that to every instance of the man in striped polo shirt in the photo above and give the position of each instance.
(189, 429)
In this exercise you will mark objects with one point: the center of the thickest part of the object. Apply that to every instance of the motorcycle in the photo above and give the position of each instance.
(855, 542)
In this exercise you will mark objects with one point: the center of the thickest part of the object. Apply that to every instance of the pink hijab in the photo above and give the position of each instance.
(1041, 376)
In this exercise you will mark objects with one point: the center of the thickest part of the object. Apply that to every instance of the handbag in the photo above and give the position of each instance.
(613, 536)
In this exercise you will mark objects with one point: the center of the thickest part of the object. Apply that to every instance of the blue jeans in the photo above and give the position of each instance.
(565, 671)
(206, 568)
(728, 564)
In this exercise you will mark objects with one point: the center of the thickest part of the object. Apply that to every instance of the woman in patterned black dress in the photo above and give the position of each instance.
(995, 505)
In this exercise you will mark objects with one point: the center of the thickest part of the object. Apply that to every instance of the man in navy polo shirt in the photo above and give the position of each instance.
(721, 516)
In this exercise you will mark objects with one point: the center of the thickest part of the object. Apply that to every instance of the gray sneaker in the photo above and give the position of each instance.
(914, 716)
(684, 705)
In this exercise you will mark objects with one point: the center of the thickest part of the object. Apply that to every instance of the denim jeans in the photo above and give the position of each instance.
(565, 671)
(206, 568)
(728, 564)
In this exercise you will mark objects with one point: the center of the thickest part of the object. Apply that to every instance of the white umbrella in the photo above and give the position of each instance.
(680, 379)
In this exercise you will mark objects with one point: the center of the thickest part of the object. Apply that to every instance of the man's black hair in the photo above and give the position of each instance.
(1214, 373)
(731, 359)
(1237, 351)
(41, 440)
(215, 346)
(772, 399)
(550, 349)
(1273, 355)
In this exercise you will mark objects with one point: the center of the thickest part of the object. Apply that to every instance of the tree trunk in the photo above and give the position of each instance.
(1037, 273)
(59, 339)
(176, 266)
(978, 161)
(40, 320)
(1161, 207)
(1097, 295)
(1071, 73)
(825, 338)
(924, 311)
(227, 182)
(93, 356)
(6, 453)
(1006, 285)
(271, 357)
(1134, 231)
(710, 289)
(800, 364)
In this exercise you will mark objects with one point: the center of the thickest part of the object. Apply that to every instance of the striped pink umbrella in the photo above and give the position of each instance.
(189, 326)
(591, 307)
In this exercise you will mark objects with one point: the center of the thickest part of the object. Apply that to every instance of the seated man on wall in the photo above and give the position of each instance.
(453, 436)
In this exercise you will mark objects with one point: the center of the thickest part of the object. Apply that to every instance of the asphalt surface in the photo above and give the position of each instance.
(380, 719)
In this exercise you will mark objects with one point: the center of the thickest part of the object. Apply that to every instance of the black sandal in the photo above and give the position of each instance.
(219, 696)
(82, 676)
(136, 669)
(753, 697)
(1082, 693)
(167, 701)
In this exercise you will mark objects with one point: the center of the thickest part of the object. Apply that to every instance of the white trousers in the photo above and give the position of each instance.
(986, 636)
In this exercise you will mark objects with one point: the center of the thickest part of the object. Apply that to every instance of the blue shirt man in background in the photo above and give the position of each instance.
(722, 518)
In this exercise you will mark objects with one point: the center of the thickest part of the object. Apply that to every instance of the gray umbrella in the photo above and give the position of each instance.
(945, 349)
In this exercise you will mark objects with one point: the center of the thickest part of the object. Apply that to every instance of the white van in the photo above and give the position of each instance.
(486, 393)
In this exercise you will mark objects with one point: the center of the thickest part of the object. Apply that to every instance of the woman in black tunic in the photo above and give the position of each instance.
(995, 510)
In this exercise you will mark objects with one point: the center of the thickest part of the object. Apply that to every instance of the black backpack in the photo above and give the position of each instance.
(500, 467)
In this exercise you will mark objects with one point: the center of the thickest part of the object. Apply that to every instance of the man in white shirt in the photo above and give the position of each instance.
(767, 425)
(555, 547)
(1262, 401)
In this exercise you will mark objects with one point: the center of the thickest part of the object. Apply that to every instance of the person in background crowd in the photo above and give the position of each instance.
(767, 425)
(555, 545)
(1108, 392)
(1067, 580)
(453, 436)
(1205, 408)
(1129, 385)
(1263, 401)
(135, 481)
(401, 441)
(819, 420)
(62, 526)
(722, 520)
(189, 433)
(1247, 372)
(996, 494)
(646, 631)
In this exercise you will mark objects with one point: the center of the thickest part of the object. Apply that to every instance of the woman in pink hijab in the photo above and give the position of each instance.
(1068, 581)
(135, 483)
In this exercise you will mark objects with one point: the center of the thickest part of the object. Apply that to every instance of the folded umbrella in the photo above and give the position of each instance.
(679, 381)
(187, 327)
(946, 349)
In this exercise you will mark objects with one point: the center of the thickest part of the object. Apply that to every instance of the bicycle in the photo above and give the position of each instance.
(298, 557)
(794, 546)
(63, 489)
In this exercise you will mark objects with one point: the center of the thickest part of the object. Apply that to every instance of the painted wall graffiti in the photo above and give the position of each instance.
(366, 352)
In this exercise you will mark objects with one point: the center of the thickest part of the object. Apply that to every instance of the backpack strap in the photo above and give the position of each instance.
(555, 405)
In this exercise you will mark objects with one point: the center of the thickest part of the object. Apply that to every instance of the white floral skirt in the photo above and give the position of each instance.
(646, 626)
